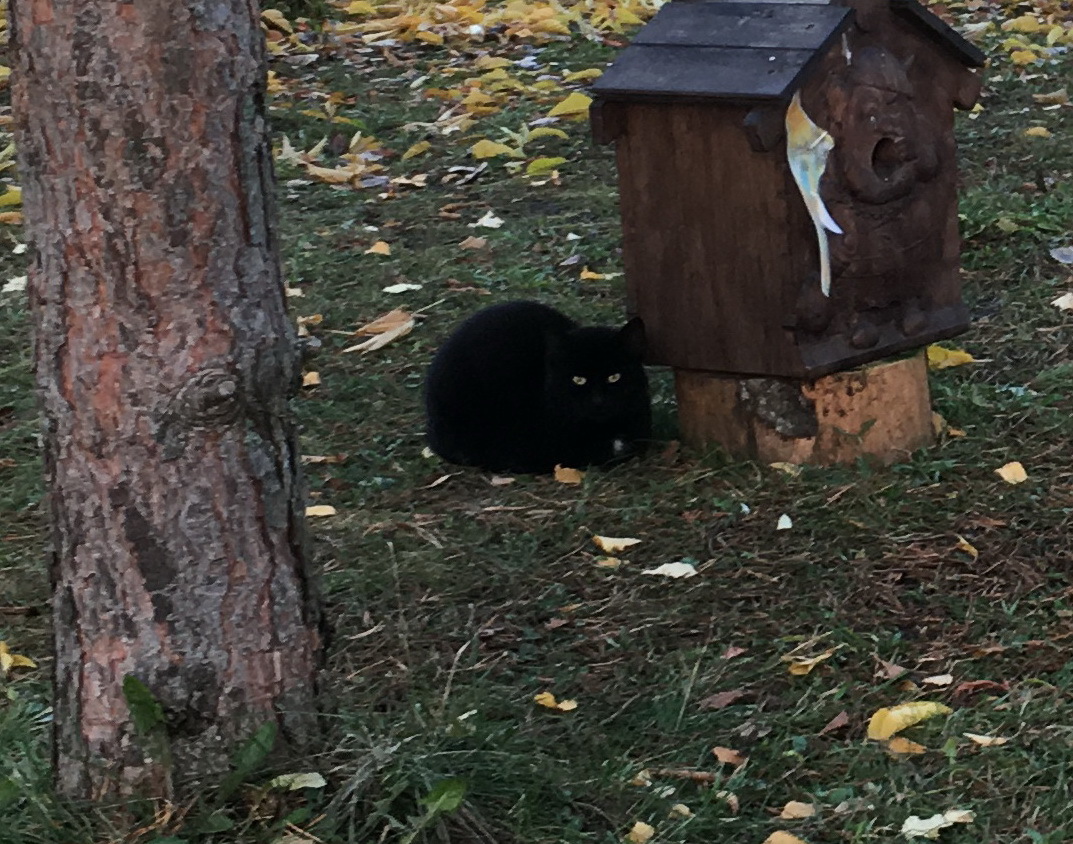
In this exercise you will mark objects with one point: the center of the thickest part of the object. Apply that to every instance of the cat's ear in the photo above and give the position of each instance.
(554, 347)
(632, 335)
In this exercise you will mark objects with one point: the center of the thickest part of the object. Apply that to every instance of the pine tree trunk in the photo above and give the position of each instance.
(164, 361)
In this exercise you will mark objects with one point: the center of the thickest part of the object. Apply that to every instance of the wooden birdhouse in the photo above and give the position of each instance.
(722, 252)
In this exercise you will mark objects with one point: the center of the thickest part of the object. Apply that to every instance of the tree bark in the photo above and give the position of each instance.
(164, 363)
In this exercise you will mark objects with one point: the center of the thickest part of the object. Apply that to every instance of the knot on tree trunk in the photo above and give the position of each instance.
(211, 398)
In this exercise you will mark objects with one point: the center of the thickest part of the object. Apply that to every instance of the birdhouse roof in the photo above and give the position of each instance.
(746, 52)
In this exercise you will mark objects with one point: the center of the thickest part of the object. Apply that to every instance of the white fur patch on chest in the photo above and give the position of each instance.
(617, 447)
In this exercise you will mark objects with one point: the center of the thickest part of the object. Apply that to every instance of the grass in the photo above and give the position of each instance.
(455, 601)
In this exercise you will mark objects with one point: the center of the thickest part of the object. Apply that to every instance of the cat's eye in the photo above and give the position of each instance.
(580, 380)
(612, 379)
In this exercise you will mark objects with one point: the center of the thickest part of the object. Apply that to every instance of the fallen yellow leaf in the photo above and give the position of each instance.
(1012, 473)
(986, 741)
(589, 275)
(540, 166)
(566, 475)
(1038, 132)
(335, 176)
(614, 544)
(1025, 23)
(11, 196)
(485, 148)
(780, 837)
(472, 242)
(800, 666)
(1023, 57)
(728, 756)
(886, 722)
(795, 810)
(547, 132)
(417, 149)
(1059, 97)
(901, 746)
(11, 218)
(575, 106)
(641, 833)
(547, 699)
(487, 62)
(381, 247)
(791, 469)
(967, 547)
(311, 379)
(378, 341)
(385, 322)
(583, 75)
(8, 660)
(940, 357)
(609, 562)
(276, 18)
(320, 510)
(360, 7)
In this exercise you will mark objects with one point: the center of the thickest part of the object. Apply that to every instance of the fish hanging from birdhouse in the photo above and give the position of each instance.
(807, 148)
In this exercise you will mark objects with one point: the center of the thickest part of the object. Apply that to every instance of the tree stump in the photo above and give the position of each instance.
(881, 411)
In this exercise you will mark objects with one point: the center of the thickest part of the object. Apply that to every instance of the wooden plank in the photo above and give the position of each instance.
(783, 26)
(707, 72)
(881, 411)
(714, 251)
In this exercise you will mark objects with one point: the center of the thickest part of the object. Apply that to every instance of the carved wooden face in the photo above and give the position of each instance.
(885, 149)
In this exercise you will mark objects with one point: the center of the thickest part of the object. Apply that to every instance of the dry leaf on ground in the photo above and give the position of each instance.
(378, 341)
(886, 722)
(1064, 302)
(794, 810)
(488, 221)
(641, 833)
(799, 666)
(986, 741)
(915, 827)
(320, 510)
(728, 756)
(720, 700)
(673, 570)
(566, 475)
(940, 357)
(840, 721)
(967, 547)
(901, 746)
(614, 544)
(386, 322)
(8, 660)
(780, 837)
(575, 107)
(1012, 473)
(548, 700)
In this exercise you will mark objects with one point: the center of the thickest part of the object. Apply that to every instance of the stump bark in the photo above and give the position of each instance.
(164, 362)
(880, 411)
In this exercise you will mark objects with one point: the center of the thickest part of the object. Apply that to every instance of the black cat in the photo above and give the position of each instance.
(519, 387)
